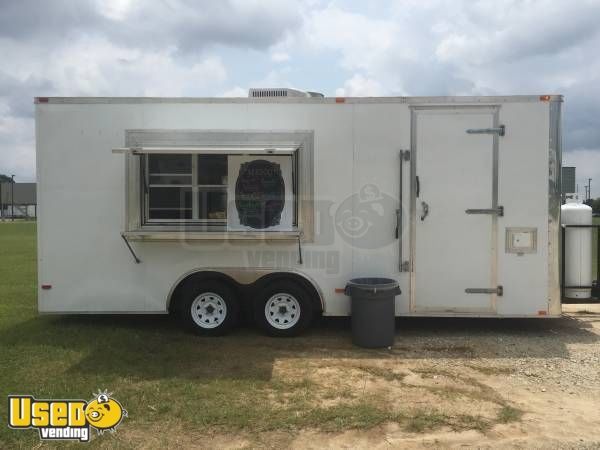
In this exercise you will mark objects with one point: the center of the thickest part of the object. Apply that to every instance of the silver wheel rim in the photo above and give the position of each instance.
(282, 311)
(208, 310)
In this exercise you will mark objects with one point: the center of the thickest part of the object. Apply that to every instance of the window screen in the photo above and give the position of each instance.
(221, 192)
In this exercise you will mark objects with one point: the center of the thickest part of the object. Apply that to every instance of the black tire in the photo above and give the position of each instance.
(224, 303)
(290, 291)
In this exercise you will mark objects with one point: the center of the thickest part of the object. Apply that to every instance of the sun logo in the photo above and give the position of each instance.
(104, 413)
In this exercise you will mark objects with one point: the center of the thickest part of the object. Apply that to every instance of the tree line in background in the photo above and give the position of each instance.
(594, 203)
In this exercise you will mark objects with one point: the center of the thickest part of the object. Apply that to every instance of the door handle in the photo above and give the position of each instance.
(499, 291)
(499, 211)
(500, 131)
(425, 212)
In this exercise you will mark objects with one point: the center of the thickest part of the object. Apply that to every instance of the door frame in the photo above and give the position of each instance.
(494, 110)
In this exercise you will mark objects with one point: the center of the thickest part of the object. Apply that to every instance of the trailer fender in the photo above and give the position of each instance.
(244, 278)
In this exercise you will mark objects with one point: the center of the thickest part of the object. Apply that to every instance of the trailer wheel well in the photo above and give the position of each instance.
(294, 278)
(196, 277)
(241, 289)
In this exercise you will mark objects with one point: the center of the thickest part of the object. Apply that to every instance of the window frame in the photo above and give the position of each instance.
(298, 144)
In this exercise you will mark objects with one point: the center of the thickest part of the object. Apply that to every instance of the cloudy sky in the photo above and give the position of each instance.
(352, 48)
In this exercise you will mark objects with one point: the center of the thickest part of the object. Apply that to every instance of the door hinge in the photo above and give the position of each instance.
(405, 266)
(405, 155)
(498, 291)
(498, 211)
(500, 131)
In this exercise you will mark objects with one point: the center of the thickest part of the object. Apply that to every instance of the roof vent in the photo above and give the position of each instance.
(280, 93)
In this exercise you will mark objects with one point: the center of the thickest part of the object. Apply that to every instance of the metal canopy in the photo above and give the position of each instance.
(241, 150)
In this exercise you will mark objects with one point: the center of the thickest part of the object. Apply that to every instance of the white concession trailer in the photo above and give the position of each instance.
(211, 207)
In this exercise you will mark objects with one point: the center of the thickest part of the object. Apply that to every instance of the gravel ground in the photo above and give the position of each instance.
(549, 369)
(562, 353)
(459, 383)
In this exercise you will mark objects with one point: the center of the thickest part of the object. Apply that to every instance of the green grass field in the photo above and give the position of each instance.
(163, 376)
(166, 378)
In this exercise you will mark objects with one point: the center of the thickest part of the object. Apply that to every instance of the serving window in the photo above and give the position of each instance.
(252, 184)
(220, 192)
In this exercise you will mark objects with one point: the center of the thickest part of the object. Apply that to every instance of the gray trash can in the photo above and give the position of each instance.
(373, 314)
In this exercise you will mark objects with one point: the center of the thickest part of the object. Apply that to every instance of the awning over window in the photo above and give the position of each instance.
(241, 150)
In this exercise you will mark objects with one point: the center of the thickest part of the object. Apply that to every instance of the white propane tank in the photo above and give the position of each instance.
(578, 246)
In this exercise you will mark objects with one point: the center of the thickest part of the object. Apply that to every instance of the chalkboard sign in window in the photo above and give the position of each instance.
(260, 194)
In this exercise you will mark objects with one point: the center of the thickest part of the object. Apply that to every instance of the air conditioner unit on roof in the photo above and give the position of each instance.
(280, 92)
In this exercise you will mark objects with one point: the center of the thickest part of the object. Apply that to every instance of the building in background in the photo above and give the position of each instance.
(568, 181)
(24, 198)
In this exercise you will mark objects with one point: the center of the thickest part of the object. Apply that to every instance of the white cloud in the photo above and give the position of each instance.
(280, 56)
(360, 40)
(99, 67)
(489, 33)
(360, 86)
(236, 91)
(275, 78)
(114, 9)
(188, 25)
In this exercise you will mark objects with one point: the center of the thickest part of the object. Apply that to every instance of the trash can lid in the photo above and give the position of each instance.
(373, 285)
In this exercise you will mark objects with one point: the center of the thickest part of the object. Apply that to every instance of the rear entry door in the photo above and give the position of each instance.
(455, 209)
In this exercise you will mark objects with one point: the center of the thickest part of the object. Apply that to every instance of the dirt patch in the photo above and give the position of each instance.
(500, 388)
